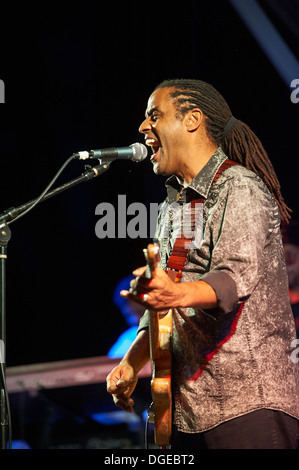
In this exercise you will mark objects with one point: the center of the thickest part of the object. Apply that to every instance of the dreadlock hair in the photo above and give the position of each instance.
(240, 143)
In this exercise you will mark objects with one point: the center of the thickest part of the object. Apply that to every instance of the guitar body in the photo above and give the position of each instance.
(160, 348)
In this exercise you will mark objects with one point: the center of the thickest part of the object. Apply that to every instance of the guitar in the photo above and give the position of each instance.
(160, 350)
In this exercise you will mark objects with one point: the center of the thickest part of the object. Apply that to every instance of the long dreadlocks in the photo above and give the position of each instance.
(240, 143)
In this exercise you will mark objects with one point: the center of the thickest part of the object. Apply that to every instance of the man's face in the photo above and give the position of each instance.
(164, 132)
(291, 253)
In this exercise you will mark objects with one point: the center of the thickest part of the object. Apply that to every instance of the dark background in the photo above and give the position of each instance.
(76, 78)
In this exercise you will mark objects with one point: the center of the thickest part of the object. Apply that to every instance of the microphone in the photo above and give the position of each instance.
(136, 152)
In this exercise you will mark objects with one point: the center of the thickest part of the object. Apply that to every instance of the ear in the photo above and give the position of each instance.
(193, 119)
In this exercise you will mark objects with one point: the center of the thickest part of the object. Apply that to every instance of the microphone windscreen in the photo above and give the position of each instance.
(139, 152)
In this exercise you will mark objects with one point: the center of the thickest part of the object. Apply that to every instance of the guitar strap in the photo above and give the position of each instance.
(179, 254)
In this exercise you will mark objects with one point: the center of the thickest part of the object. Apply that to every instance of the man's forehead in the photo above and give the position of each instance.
(157, 99)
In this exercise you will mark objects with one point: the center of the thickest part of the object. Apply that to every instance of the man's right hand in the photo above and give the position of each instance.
(121, 383)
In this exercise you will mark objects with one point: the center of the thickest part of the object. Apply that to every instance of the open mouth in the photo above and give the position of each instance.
(155, 146)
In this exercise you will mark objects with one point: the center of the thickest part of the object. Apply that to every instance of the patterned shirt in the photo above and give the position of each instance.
(241, 356)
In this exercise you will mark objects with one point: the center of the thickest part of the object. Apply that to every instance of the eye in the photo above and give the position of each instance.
(154, 117)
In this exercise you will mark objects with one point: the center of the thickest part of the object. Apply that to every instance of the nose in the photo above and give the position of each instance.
(144, 126)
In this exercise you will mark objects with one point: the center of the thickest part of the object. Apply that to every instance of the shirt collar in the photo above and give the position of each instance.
(202, 182)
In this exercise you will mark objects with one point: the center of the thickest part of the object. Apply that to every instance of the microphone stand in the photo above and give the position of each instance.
(5, 235)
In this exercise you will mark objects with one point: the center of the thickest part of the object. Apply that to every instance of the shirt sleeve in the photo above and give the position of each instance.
(143, 322)
(237, 230)
(225, 289)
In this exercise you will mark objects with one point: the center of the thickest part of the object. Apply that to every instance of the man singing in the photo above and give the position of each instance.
(235, 385)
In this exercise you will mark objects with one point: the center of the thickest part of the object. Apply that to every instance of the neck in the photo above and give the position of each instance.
(194, 161)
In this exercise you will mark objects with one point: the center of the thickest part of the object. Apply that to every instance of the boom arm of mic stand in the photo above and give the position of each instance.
(10, 214)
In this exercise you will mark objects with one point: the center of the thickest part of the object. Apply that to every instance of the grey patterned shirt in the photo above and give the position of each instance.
(239, 357)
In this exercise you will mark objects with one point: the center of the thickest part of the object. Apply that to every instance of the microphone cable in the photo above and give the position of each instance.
(43, 194)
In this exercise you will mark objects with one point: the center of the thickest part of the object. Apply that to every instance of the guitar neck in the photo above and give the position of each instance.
(160, 349)
(152, 258)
